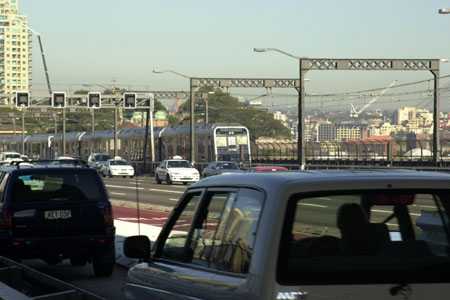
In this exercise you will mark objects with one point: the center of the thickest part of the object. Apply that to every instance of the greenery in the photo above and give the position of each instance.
(224, 108)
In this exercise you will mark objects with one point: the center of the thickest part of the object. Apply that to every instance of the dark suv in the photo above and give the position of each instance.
(54, 213)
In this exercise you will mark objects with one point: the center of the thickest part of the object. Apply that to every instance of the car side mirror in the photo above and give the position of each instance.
(137, 246)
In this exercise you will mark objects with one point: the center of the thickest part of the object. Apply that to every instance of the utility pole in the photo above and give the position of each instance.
(149, 123)
(192, 120)
(23, 131)
(115, 130)
(64, 131)
(93, 128)
(206, 110)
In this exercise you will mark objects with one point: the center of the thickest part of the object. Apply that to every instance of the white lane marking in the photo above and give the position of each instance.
(313, 205)
(123, 187)
(381, 211)
(173, 199)
(120, 194)
(324, 198)
(390, 212)
(165, 191)
(425, 206)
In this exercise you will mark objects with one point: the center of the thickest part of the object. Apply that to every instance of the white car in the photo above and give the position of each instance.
(9, 157)
(117, 167)
(176, 170)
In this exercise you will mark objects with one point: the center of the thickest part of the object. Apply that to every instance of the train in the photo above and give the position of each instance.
(214, 142)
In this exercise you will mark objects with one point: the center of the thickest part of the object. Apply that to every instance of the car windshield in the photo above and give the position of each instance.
(56, 186)
(102, 157)
(350, 237)
(118, 163)
(178, 164)
(12, 156)
(227, 166)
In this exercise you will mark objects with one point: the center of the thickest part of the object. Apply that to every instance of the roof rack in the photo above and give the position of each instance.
(61, 162)
(18, 163)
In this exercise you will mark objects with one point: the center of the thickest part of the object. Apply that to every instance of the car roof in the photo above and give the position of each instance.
(45, 169)
(177, 160)
(304, 181)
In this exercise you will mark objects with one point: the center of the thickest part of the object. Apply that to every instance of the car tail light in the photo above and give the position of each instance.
(108, 215)
(6, 219)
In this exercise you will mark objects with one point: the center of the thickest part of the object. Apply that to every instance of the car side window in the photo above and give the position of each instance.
(225, 239)
(174, 246)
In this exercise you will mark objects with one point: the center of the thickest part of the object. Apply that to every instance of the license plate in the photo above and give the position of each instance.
(58, 214)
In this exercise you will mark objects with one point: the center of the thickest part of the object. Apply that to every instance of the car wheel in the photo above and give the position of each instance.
(103, 264)
(52, 260)
(110, 175)
(158, 181)
(185, 183)
(78, 261)
(168, 181)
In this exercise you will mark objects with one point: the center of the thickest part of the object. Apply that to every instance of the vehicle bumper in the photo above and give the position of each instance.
(184, 179)
(59, 246)
(122, 173)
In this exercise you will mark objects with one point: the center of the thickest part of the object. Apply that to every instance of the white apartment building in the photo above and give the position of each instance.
(15, 49)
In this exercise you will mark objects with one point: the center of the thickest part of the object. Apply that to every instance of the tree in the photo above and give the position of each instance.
(223, 108)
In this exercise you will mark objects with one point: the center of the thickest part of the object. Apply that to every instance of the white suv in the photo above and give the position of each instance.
(176, 170)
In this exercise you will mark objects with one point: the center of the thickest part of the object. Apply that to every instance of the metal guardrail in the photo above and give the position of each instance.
(19, 282)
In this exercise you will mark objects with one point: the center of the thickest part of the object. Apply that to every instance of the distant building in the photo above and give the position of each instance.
(15, 49)
(326, 132)
(403, 114)
(283, 118)
(348, 132)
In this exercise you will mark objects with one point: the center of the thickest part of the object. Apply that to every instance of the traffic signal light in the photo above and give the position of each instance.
(22, 99)
(94, 100)
(129, 100)
(59, 99)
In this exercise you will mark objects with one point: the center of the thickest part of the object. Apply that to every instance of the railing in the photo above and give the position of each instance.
(398, 150)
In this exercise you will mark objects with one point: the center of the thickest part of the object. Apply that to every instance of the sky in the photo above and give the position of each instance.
(98, 41)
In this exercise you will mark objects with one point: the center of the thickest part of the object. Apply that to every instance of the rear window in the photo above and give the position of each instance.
(56, 187)
(227, 166)
(178, 164)
(7, 156)
(118, 163)
(366, 237)
(102, 157)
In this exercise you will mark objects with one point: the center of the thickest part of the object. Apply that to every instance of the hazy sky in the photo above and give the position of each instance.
(101, 40)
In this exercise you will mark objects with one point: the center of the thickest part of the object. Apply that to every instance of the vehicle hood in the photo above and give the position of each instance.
(183, 170)
(121, 167)
(225, 171)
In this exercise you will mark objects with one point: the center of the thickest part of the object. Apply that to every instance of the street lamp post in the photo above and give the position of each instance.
(301, 104)
(192, 108)
(23, 131)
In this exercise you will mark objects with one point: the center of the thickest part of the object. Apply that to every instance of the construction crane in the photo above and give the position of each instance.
(354, 113)
(44, 62)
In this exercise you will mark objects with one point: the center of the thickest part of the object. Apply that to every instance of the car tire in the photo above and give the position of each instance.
(168, 181)
(158, 181)
(78, 261)
(103, 264)
(185, 183)
(110, 175)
